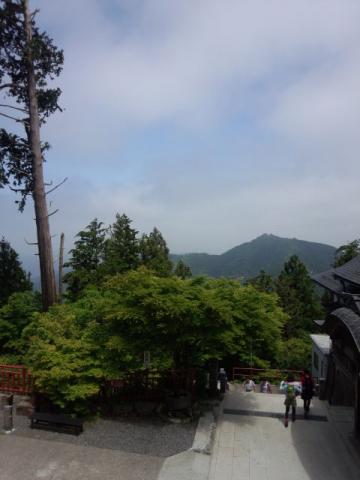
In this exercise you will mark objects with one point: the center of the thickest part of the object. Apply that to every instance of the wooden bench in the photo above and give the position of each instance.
(56, 423)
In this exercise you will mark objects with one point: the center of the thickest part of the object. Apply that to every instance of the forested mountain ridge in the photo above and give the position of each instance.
(267, 252)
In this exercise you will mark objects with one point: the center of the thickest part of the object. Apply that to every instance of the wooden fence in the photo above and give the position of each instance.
(151, 385)
(15, 379)
(272, 374)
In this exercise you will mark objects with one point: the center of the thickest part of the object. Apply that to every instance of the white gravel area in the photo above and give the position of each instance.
(143, 435)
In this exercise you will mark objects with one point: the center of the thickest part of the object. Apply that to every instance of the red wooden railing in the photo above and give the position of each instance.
(15, 379)
(242, 373)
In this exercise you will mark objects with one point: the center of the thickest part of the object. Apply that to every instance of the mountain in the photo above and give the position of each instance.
(267, 252)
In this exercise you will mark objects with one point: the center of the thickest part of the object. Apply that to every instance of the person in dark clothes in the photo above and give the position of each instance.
(223, 380)
(307, 391)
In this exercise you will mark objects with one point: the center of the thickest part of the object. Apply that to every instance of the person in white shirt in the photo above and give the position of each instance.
(249, 385)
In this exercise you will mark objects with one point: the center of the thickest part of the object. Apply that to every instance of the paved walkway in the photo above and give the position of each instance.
(255, 445)
(33, 459)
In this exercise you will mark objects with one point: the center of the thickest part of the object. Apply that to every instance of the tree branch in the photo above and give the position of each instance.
(56, 186)
(30, 243)
(53, 213)
(6, 85)
(34, 13)
(12, 118)
(17, 190)
(14, 108)
(22, 172)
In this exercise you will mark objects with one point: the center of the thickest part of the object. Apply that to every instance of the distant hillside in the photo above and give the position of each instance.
(266, 252)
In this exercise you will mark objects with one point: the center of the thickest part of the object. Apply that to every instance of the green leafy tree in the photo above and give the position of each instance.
(347, 252)
(28, 61)
(183, 323)
(295, 353)
(263, 282)
(12, 276)
(182, 270)
(192, 321)
(297, 297)
(122, 248)
(15, 315)
(86, 259)
(154, 253)
(64, 356)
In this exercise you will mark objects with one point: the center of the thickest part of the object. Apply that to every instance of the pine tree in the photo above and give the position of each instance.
(122, 248)
(182, 270)
(12, 277)
(86, 259)
(263, 282)
(297, 298)
(28, 60)
(154, 253)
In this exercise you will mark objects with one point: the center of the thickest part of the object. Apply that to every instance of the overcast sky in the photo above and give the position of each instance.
(214, 120)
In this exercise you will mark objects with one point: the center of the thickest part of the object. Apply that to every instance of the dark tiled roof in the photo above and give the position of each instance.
(351, 320)
(327, 280)
(349, 271)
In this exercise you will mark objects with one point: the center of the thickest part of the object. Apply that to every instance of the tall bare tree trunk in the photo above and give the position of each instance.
(61, 264)
(48, 284)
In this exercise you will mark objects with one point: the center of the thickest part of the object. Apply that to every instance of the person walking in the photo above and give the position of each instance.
(291, 390)
(249, 385)
(223, 380)
(265, 386)
(307, 391)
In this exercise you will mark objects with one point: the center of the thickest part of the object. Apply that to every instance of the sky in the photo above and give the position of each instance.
(214, 120)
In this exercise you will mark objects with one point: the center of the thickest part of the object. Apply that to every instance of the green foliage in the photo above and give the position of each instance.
(122, 248)
(192, 320)
(182, 270)
(96, 256)
(65, 356)
(263, 282)
(154, 253)
(183, 323)
(295, 353)
(12, 277)
(15, 315)
(347, 252)
(86, 257)
(297, 297)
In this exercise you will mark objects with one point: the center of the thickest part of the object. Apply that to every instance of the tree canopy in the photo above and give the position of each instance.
(154, 253)
(86, 257)
(12, 276)
(182, 270)
(347, 252)
(183, 323)
(122, 250)
(297, 297)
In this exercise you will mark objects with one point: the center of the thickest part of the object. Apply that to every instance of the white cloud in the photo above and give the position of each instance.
(197, 66)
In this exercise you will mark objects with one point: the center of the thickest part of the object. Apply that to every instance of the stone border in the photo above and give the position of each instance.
(193, 464)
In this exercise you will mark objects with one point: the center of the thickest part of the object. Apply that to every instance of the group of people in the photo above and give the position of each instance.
(291, 389)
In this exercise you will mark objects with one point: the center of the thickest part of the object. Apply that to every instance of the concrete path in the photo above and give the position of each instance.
(255, 444)
(33, 459)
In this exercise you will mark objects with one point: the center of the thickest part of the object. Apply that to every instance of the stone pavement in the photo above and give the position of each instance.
(255, 445)
(33, 459)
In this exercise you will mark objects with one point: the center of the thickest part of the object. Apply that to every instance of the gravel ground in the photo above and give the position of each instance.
(147, 436)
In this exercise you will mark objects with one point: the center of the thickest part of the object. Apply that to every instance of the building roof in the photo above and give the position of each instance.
(323, 342)
(349, 271)
(327, 280)
(352, 322)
